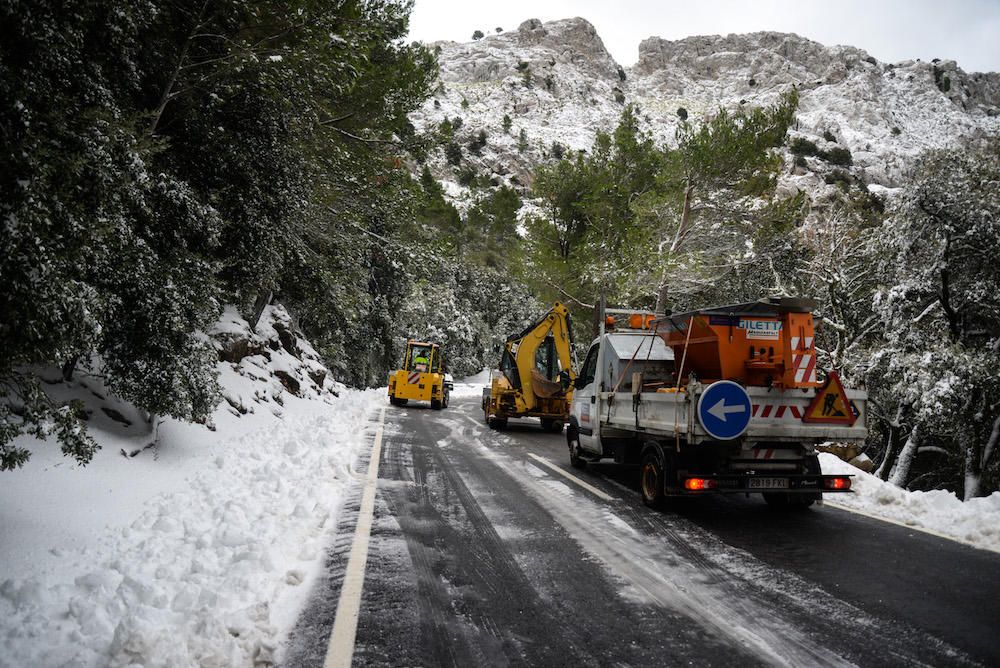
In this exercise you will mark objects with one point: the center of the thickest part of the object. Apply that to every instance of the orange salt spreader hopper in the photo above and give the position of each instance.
(767, 343)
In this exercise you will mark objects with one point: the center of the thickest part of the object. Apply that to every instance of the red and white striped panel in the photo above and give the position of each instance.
(413, 378)
(808, 341)
(805, 368)
(777, 412)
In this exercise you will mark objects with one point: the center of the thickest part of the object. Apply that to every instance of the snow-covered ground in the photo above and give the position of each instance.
(472, 386)
(975, 522)
(197, 552)
(201, 550)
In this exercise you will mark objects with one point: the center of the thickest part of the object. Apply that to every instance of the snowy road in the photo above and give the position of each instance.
(483, 553)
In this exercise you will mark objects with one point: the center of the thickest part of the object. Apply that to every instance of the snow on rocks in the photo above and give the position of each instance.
(200, 551)
(975, 522)
(556, 82)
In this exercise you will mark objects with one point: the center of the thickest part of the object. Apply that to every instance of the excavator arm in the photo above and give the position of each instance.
(521, 350)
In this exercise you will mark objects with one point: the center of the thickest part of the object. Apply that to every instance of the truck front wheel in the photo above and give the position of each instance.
(651, 478)
(552, 426)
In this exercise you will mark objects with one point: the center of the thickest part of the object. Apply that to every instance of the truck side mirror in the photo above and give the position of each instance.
(564, 380)
(580, 382)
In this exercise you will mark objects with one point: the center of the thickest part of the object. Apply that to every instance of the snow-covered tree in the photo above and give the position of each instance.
(940, 302)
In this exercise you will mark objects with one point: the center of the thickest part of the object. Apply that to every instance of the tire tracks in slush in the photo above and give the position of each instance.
(731, 594)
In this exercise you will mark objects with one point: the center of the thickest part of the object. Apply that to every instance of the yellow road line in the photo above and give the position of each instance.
(340, 650)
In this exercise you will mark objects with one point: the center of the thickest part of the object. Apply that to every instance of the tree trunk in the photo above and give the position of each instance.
(675, 245)
(974, 467)
(888, 459)
(69, 367)
(168, 90)
(901, 470)
(263, 299)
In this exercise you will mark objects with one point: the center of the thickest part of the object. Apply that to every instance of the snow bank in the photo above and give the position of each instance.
(198, 552)
(472, 386)
(975, 522)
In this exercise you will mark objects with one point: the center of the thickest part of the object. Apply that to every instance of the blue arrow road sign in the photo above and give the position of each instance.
(724, 410)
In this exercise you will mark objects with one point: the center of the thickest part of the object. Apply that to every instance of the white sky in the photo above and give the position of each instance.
(967, 31)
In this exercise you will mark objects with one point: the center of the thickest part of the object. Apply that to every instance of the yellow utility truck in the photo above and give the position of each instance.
(422, 376)
(536, 375)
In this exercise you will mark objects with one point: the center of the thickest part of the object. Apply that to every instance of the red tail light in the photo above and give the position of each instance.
(695, 484)
(837, 483)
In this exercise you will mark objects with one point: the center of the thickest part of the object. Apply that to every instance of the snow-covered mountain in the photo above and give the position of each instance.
(558, 83)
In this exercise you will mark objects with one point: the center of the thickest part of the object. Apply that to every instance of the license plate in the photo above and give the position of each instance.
(768, 483)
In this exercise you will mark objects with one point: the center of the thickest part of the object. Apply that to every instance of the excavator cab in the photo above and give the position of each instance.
(422, 376)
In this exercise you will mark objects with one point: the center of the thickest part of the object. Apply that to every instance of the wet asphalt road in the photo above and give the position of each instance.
(482, 556)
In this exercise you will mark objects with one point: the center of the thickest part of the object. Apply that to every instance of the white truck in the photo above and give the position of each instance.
(721, 400)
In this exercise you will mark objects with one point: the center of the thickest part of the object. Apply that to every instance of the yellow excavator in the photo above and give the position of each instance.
(536, 374)
(422, 376)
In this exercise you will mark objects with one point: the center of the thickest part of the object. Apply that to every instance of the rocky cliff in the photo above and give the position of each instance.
(559, 85)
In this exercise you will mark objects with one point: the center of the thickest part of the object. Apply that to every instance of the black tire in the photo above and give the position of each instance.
(444, 402)
(436, 404)
(573, 442)
(652, 475)
(552, 425)
(497, 423)
(396, 401)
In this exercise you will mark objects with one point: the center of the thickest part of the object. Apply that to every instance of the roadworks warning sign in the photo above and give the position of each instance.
(831, 404)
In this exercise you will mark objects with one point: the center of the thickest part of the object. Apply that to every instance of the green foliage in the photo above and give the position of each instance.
(522, 141)
(163, 159)
(838, 155)
(26, 409)
(558, 150)
(467, 176)
(827, 135)
(583, 241)
(478, 143)
(506, 123)
(453, 153)
(470, 311)
(838, 177)
(478, 35)
(801, 146)
(682, 113)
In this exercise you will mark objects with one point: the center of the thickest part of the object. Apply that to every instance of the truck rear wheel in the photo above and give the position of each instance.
(497, 423)
(651, 479)
(396, 401)
(436, 404)
(573, 441)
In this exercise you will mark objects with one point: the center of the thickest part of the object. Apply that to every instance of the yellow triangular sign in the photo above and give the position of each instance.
(831, 404)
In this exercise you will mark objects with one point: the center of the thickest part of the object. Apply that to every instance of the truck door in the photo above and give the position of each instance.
(585, 408)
